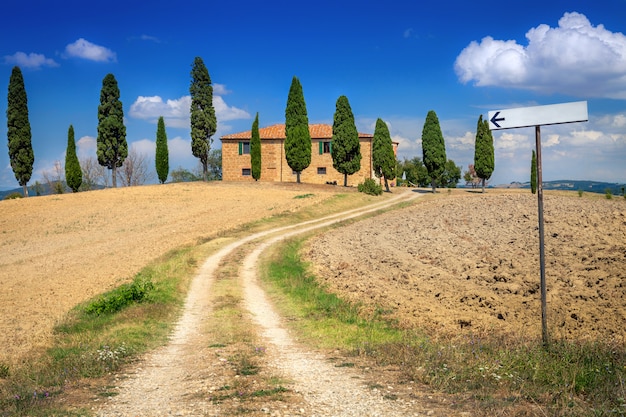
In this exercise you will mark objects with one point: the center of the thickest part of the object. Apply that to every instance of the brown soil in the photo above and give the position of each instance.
(58, 251)
(470, 262)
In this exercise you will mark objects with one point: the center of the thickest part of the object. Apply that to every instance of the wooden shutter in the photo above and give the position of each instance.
(240, 148)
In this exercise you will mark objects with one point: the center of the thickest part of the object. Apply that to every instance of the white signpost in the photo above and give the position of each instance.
(537, 116)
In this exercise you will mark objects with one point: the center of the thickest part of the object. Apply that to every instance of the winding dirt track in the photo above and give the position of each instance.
(160, 385)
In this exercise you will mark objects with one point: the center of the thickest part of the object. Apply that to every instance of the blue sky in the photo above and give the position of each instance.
(395, 60)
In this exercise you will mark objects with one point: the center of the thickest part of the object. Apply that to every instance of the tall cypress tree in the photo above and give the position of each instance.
(383, 158)
(255, 149)
(112, 147)
(162, 158)
(203, 120)
(297, 135)
(484, 160)
(21, 153)
(433, 148)
(533, 173)
(346, 149)
(73, 173)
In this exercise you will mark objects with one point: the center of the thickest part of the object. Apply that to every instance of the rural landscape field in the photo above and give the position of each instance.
(470, 263)
(456, 264)
(61, 250)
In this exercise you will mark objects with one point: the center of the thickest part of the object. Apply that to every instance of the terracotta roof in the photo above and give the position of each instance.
(318, 131)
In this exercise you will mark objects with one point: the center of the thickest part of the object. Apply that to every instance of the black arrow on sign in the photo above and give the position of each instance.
(495, 119)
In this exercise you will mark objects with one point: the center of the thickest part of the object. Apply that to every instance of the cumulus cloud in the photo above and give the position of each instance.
(82, 48)
(574, 58)
(31, 60)
(176, 112)
(86, 146)
(144, 147)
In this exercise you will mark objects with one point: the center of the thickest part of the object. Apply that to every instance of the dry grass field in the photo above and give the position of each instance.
(60, 250)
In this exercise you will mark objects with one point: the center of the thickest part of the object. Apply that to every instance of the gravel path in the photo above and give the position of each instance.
(170, 380)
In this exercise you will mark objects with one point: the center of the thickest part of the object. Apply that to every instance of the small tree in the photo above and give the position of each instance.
(383, 158)
(112, 148)
(203, 120)
(255, 149)
(134, 170)
(297, 135)
(73, 173)
(433, 148)
(215, 165)
(533, 173)
(484, 160)
(54, 179)
(21, 153)
(470, 176)
(415, 171)
(451, 175)
(346, 149)
(161, 158)
(93, 174)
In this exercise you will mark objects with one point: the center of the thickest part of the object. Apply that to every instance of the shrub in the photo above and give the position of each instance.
(370, 187)
(580, 193)
(120, 297)
(13, 196)
(608, 194)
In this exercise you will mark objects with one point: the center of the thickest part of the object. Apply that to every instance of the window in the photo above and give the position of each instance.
(325, 147)
(246, 172)
(321, 170)
(244, 148)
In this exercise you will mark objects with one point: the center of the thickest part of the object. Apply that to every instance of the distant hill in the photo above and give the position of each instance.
(573, 185)
(44, 189)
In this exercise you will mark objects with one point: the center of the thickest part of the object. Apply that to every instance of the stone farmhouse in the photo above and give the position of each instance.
(236, 164)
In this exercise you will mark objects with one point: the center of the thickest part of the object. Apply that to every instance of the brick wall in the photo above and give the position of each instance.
(274, 164)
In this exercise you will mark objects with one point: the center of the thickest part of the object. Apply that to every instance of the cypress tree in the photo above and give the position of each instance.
(112, 147)
(161, 159)
(297, 135)
(73, 173)
(433, 148)
(533, 173)
(21, 153)
(346, 149)
(203, 120)
(484, 161)
(383, 158)
(255, 149)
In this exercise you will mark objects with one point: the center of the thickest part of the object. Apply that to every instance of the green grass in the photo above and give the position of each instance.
(499, 372)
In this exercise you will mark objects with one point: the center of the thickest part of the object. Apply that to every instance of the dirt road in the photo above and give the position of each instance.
(161, 384)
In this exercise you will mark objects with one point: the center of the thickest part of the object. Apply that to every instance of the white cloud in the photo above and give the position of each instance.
(225, 112)
(84, 49)
(176, 112)
(220, 90)
(575, 58)
(407, 33)
(150, 38)
(86, 147)
(144, 147)
(31, 60)
(179, 148)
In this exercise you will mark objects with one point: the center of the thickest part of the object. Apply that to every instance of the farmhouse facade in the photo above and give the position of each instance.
(236, 163)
